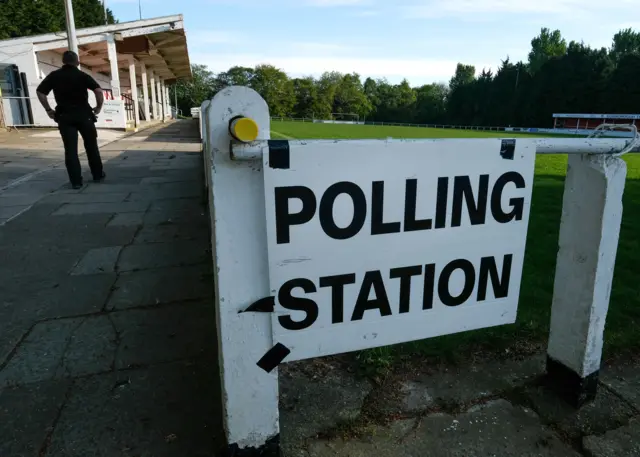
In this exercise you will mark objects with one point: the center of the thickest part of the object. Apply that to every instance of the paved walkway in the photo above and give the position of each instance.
(27, 155)
(106, 317)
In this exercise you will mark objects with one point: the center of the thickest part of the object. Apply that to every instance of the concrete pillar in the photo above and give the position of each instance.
(160, 100)
(113, 63)
(591, 217)
(167, 99)
(154, 104)
(134, 91)
(145, 91)
(241, 272)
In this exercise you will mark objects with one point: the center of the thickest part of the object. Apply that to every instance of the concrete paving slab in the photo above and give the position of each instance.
(169, 233)
(126, 219)
(110, 186)
(28, 414)
(160, 255)
(165, 334)
(24, 262)
(7, 212)
(162, 411)
(54, 174)
(91, 348)
(606, 412)
(624, 379)
(161, 286)
(72, 233)
(493, 429)
(163, 180)
(64, 296)
(97, 208)
(179, 217)
(12, 333)
(328, 397)
(39, 355)
(18, 200)
(97, 261)
(180, 205)
(621, 442)
(85, 198)
(458, 385)
(157, 194)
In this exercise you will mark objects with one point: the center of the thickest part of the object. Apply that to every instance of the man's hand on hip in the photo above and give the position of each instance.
(52, 114)
(97, 110)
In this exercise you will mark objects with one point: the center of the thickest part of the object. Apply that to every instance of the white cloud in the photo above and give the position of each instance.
(367, 13)
(200, 37)
(316, 48)
(338, 2)
(439, 8)
(417, 71)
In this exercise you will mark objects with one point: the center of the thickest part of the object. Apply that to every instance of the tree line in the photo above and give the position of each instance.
(34, 17)
(557, 77)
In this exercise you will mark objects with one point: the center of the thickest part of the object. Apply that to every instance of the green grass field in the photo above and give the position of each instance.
(532, 326)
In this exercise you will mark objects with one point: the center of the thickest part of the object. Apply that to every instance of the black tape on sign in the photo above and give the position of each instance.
(507, 149)
(264, 305)
(279, 154)
(273, 357)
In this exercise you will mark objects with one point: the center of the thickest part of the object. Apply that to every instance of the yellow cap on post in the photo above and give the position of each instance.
(244, 129)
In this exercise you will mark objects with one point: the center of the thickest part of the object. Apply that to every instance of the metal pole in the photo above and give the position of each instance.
(255, 149)
(104, 6)
(140, 8)
(71, 27)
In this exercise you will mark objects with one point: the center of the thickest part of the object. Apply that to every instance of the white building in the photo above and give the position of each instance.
(133, 62)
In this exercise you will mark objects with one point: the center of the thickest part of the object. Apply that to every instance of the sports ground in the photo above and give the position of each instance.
(532, 326)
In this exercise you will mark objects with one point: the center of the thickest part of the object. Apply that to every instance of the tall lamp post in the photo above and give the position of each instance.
(71, 27)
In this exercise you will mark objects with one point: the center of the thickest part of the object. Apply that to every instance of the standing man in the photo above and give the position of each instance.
(74, 114)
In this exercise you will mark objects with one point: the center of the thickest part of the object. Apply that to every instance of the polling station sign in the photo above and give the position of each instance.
(373, 242)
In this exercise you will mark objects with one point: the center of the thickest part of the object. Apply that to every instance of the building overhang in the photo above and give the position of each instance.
(158, 43)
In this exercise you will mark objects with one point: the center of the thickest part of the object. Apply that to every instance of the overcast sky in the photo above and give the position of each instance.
(421, 40)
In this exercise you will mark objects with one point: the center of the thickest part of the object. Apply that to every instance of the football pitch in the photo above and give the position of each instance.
(531, 329)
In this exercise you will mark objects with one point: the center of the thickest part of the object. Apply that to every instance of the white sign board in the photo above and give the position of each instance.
(112, 115)
(374, 242)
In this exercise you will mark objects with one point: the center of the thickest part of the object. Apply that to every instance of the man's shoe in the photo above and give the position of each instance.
(76, 186)
(101, 178)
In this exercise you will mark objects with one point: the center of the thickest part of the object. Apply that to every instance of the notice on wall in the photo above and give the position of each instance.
(374, 242)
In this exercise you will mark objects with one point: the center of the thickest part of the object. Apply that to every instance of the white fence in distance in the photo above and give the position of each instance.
(243, 252)
(535, 130)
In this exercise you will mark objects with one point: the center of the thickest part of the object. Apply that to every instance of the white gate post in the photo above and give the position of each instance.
(589, 231)
(241, 274)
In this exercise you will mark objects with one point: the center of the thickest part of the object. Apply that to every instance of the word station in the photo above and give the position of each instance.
(363, 261)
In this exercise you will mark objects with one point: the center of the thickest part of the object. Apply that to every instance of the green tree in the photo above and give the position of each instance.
(191, 93)
(465, 74)
(276, 88)
(623, 92)
(430, 105)
(235, 76)
(625, 42)
(349, 97)
(546, 46)
(327, 86)
(33, 17)
(305, 92)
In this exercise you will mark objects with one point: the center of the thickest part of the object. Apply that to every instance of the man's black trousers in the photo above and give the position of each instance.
(69, 126)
